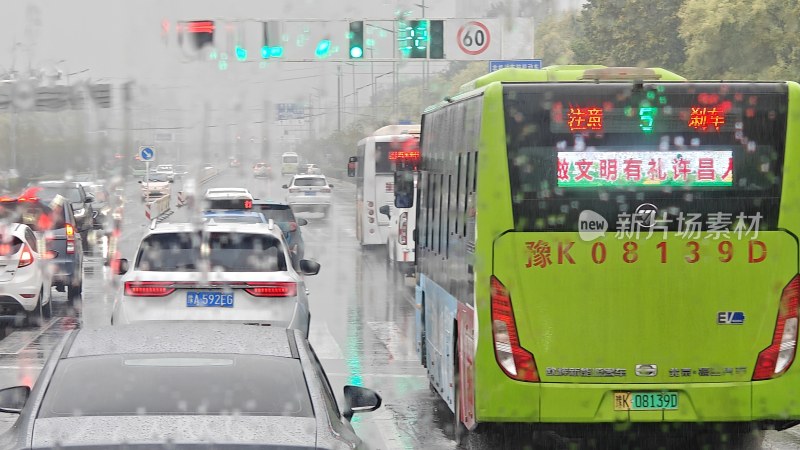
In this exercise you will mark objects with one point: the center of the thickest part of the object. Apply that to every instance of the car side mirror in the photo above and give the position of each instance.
(120, 266)
(140, 181)
(309, 267)
(302, 222)
(285, 186)
(358, 399)
(13, 399)
(351, 166)
(330, 185)
(171, 181)
(385, 210)
(89, 199)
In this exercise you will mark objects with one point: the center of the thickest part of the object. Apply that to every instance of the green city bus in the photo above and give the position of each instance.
(603, 245)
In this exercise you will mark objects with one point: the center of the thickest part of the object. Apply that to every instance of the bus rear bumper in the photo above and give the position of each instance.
(595, 403)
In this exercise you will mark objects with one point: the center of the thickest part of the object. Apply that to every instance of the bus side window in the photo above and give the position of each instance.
(466, 193)
(458, 194)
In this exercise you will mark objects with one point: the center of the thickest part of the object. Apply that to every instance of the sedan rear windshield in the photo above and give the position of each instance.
(233, 218)
(177, 384)
(33, 214)
(310, 182)
(278, 213)
(71, 193)
(9, 245)
(228, 251)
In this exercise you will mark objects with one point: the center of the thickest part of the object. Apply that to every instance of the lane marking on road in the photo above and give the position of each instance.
(391, 435)
(322, 340)
(393, 338)
(18, 340)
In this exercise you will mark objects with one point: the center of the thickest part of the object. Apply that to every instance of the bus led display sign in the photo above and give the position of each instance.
(410, 155)
(643, 168)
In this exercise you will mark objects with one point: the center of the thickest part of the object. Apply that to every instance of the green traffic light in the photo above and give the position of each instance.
(356, 52)
(323, 48)
(241, 53)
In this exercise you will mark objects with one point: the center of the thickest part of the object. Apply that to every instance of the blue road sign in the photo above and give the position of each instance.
(515, 64)
(147, 153)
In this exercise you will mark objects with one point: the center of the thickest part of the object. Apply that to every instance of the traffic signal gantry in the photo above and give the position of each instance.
(414, 39)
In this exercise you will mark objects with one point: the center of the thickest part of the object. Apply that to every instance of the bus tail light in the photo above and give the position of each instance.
(26, 258)
(149, 288)
(70, 230)
(402, 230)
(776, 359)
(515, 361)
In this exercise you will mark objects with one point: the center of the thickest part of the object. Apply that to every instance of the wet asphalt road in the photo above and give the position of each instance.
(362, 325)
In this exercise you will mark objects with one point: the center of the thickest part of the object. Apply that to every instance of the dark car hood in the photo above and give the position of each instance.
(151, 432)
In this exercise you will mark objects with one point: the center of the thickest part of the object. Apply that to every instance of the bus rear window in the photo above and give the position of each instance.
(685, 148)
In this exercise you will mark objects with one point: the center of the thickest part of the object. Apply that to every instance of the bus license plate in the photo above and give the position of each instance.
(212, 299)
(645, 401)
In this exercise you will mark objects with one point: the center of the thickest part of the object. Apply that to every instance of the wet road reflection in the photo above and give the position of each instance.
(362, 328)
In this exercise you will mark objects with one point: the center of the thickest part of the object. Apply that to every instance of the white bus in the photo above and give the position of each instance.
(373, 169)
(289, 163)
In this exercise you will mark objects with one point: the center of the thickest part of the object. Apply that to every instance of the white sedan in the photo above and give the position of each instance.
(310, 193)
(222, 272)
(24, 280)
(157, 185)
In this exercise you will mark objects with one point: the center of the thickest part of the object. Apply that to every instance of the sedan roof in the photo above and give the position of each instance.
(184, 337)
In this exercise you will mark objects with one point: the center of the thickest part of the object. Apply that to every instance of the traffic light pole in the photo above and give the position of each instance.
(339, 98)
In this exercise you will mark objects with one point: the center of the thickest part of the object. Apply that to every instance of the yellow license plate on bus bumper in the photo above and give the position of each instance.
(645, 401)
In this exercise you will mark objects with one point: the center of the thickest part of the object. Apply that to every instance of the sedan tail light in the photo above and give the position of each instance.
(26, 258)
(149, 288)
(325, 190)
(294, 190)
(272, 289)
(70, 230)
(292, 226)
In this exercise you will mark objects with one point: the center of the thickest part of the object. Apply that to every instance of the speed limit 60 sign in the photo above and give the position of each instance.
(478, 39)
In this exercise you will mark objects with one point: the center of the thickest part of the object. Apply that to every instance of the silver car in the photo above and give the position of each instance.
(186, 385)
(217, 272)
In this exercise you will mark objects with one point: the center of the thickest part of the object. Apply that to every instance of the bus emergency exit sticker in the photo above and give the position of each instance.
(645, 168)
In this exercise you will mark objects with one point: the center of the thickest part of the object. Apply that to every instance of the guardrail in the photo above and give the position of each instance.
(208, 173)
(156, 207)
